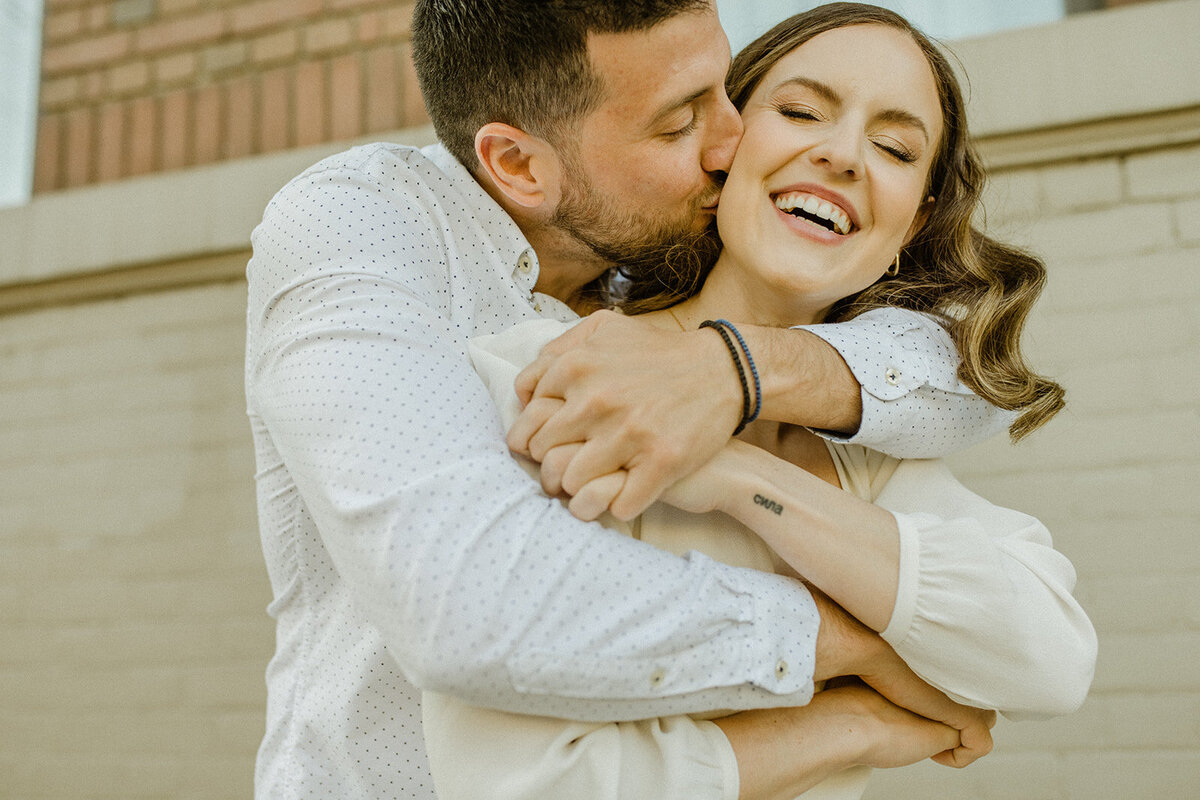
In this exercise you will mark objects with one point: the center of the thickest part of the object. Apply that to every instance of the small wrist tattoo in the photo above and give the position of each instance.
(768, 504)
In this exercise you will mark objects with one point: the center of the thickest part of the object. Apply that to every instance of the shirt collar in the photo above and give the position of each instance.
(516, 258)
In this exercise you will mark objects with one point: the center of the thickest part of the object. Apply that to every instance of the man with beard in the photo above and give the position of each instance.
(404, 544)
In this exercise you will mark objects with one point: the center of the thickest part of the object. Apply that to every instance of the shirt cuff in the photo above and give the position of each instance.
(908, 581)
(892, 352)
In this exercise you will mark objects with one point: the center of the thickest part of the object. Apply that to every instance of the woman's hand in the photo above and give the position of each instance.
(700, 492)
(892, 678)
(891, 736)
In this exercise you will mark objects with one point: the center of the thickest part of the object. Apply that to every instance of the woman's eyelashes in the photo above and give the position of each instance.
(799, 113)
(889, 146)
(897, 151)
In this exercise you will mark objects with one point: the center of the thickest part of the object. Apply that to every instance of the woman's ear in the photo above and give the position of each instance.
(524, 168)
(922, 216)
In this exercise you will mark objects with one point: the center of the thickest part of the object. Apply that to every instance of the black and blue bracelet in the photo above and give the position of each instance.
(751, 404)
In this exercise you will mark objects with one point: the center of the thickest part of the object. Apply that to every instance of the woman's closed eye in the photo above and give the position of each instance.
(799, 113)
(896, 150)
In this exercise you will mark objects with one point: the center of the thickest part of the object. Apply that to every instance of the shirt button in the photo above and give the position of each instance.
(657, 678)
(781, 669)
(892, 376)
(524, 264)
(537, 306)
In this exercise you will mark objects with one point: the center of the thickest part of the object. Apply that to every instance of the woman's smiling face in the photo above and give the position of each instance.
(829, 181)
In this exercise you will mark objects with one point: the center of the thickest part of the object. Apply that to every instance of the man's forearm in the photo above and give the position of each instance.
(804, 379)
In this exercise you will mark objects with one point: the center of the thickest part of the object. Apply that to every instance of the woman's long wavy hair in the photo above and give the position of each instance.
(980, 288)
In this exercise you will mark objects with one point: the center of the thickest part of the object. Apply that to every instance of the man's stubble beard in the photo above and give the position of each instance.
(631, 242)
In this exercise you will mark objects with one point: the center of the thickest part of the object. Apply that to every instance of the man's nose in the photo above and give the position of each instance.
(726, 132)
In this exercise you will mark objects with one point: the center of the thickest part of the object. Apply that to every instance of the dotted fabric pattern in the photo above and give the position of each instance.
(914, 405)
(404, 544)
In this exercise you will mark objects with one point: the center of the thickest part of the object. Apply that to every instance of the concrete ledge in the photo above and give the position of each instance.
(159, 218)
(1125, 62)
(122, 281)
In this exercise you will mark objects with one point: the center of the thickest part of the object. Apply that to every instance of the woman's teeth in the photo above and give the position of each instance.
(821, 211)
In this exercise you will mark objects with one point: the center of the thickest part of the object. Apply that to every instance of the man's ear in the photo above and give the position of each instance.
(523, 167)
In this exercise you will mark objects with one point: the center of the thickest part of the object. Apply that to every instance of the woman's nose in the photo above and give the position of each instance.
(840, 152)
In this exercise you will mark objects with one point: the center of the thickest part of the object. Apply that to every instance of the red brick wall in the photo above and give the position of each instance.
(137, 86)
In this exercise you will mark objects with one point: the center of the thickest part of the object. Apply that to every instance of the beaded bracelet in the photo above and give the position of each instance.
(753, 369)
(749, 414)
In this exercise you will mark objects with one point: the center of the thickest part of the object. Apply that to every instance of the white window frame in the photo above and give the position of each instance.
(20, 76)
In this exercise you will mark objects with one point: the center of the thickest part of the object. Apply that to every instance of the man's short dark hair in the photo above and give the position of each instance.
(520, 62)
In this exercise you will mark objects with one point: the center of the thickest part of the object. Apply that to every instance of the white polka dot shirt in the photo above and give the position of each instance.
(404, 544)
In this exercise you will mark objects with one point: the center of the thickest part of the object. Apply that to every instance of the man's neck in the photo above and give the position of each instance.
(565, 266)
(564, 276)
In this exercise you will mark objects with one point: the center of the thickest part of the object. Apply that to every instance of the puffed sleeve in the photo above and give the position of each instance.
(984, 609)
(668, 758)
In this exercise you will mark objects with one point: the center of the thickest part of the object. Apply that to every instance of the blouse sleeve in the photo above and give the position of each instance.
(520, 757)
(984, 609)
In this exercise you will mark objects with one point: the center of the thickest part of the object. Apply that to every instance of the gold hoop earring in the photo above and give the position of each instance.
(894, 268)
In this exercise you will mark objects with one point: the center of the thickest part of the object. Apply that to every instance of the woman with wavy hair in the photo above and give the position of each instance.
(854, 188)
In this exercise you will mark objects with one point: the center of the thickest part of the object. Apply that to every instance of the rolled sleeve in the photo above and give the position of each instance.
(913, 403)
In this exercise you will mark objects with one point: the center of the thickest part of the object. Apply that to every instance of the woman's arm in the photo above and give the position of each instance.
(972, 596)
(659, 403)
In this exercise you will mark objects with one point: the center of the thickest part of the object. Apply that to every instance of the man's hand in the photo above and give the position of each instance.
(637, 406)
(847, 647)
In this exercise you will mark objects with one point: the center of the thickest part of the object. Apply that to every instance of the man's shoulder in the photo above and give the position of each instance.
(390, 162)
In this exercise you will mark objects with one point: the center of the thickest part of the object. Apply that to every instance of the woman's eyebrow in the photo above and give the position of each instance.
(825, 91)
(903, 117)
(829, 94)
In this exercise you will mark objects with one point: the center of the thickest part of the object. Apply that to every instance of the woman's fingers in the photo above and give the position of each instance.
(555, 462)
(595, 497)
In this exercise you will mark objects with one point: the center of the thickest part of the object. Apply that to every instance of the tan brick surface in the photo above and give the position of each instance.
(139, 617)
(98, 52)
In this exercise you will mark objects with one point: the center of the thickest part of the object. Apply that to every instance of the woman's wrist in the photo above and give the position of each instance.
(736, 473)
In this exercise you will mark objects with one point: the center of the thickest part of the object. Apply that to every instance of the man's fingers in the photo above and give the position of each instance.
(529, 422)
(529, 380)
(554, 463)
(597, 457)
(594, 497)
(574, 422)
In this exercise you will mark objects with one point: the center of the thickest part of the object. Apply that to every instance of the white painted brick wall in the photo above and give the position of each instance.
(132, 590)
(1115, 476)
